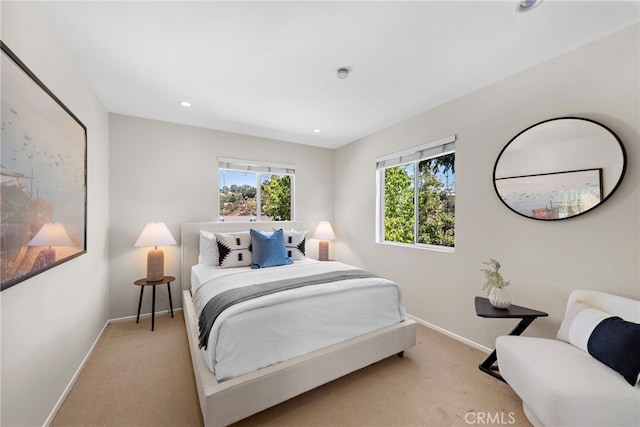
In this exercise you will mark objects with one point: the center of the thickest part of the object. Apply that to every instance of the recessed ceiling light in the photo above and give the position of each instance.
(185, 103)
(527, 5)
(316, 130)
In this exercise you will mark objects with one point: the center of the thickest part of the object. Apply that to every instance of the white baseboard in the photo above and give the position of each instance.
(75, 376)
(452, 335)
(142, 316)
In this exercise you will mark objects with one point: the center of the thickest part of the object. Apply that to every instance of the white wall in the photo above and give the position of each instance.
(50, 321)
(543, 260)
(167, 172)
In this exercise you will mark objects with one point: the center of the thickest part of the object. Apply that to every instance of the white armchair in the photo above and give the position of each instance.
(561, 384)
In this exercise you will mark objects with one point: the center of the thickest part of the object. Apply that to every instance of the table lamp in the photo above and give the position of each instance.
(324, 233)
(153, 235)
(50, 234)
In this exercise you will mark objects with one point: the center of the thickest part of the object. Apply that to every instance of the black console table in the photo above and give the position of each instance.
(486, 310)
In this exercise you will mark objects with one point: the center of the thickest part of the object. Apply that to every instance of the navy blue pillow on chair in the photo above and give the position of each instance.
(616, 343)
(269, 251)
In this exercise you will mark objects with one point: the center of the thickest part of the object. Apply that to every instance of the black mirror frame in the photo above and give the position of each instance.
(605, 198)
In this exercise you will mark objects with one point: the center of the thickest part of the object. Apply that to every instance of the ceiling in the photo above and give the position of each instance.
(269, 68)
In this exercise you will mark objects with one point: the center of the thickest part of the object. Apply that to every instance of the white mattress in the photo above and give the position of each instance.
(276, 327)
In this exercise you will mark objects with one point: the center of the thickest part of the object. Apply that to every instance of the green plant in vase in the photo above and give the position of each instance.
(495, 284)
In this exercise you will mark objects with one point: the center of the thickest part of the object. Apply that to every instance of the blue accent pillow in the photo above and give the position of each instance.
(616, 343)
(269, 251)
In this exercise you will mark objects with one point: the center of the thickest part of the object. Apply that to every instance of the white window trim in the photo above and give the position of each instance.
(422, 246)
(426, 151)
(256, 166)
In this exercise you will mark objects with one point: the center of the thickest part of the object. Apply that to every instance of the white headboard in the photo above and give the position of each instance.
(191, 239)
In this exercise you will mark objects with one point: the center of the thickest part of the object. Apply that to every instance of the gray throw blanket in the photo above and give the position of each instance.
(224, 300)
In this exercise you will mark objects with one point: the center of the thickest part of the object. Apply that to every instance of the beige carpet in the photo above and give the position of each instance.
(136, 377)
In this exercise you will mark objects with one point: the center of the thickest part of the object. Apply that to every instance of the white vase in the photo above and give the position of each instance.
(499, 297)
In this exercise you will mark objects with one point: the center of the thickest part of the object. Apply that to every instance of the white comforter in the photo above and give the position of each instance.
(276, 327)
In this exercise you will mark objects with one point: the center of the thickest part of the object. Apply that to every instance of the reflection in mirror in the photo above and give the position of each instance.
(559, 168)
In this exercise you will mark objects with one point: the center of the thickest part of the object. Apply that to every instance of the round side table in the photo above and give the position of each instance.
(144, 282)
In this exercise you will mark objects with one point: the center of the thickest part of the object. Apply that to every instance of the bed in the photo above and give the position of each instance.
(232, 386)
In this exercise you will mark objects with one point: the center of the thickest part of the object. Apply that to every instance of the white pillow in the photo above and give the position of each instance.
(208, 249)
(579, 323)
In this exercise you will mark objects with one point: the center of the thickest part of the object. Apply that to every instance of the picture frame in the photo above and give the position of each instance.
(43, 177)
(550, 196)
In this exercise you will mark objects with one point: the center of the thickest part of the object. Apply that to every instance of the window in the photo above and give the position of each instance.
(416, 196)
(249, 187)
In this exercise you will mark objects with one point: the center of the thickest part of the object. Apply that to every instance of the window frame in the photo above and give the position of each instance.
(414, 155)
(259, 169)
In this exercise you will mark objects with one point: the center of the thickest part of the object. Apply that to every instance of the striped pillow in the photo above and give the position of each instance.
(608, 338)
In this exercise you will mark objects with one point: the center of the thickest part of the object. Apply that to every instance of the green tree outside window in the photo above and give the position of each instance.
(276, 197)
(398, 204)
(435, 196)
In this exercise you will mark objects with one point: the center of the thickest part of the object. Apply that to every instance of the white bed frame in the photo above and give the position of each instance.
(230, 401)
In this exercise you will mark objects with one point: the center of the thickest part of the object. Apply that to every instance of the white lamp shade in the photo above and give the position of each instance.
(51, 234)
(155, 234)
(324, 231)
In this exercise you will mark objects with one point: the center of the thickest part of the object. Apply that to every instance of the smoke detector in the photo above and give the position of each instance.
(343, 72)
(527, 5)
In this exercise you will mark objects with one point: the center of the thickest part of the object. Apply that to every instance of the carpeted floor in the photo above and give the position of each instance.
(136, 377)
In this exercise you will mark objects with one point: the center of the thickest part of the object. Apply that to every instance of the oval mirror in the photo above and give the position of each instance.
(559, 168)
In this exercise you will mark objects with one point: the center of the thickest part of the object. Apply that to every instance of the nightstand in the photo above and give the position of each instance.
(144, 282)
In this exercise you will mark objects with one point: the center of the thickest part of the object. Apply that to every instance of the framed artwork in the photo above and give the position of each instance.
(44, 176)
(552, 195)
